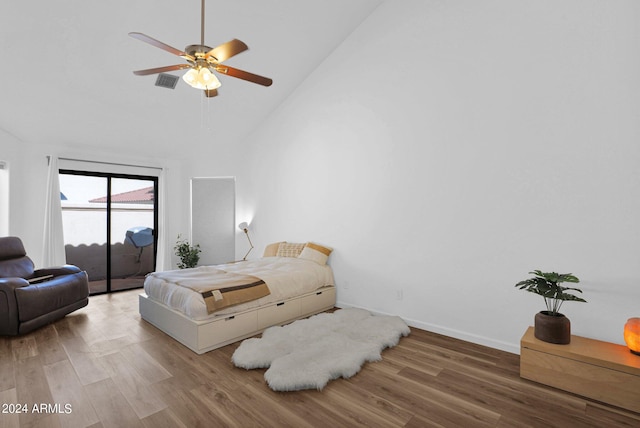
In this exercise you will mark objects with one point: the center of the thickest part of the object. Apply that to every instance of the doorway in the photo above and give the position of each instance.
(109, 225)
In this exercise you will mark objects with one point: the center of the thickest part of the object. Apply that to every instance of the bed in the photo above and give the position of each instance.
(199, 309)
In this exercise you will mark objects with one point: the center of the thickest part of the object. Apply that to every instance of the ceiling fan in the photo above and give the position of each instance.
(202, 60)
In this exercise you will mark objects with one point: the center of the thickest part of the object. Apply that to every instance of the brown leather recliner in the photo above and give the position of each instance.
(51, 294)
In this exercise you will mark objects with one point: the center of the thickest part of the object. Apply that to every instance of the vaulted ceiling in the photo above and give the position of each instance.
(67, 68)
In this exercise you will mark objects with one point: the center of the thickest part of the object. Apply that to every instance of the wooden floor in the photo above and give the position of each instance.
(104, 367)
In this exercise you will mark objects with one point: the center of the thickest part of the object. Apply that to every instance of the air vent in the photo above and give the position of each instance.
(167, 80)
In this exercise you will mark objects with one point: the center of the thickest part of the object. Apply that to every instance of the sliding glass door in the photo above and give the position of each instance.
(110, 223)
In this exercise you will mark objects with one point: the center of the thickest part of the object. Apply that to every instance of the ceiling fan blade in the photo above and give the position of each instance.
(210, 93)
(227, 50)
(244, 75)
(161, 69)
(159, 44)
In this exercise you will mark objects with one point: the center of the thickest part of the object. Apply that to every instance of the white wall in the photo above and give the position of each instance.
(4, 197)
(447, 148)
(24, 169)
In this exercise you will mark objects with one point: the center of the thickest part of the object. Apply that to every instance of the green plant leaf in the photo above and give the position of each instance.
(189, 255)
(567, 277)
(546, 285)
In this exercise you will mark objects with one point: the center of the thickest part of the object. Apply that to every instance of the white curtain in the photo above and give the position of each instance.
(53, 253)
(163, 257)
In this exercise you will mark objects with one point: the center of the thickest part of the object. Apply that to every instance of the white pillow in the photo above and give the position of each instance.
(272, 249)
(289, 249)
(316, 253)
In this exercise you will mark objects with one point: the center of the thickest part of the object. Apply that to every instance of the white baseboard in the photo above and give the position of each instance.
(456, 334)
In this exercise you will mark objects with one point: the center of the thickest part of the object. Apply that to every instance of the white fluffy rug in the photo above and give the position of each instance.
(310, 352)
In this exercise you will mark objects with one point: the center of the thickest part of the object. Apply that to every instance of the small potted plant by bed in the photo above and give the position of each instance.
(189, 254)
(550, 325)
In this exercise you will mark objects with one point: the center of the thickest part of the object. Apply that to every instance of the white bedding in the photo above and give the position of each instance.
(286, 277)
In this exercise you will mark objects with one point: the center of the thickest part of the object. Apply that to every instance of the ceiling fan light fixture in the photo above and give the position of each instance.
(191, 77)
(201, 78)
(202, 60)
(209, 79)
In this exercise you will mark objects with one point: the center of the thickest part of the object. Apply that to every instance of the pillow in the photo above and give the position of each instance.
(271, 250)
(289, 249)
(316, 253)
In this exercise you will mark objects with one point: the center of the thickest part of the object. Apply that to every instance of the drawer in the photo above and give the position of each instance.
(322, 299)
(227, 328)
(278, 313)
(586, 379)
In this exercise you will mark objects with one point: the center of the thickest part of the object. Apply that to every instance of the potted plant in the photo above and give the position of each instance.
(550, 325)
(188, 254)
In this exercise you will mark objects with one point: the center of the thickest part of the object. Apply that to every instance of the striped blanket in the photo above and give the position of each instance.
(219, 289)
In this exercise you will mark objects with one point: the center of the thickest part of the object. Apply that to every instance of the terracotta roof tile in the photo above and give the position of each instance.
(139, 196)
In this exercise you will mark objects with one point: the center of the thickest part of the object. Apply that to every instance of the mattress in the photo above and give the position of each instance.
(286, 277)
